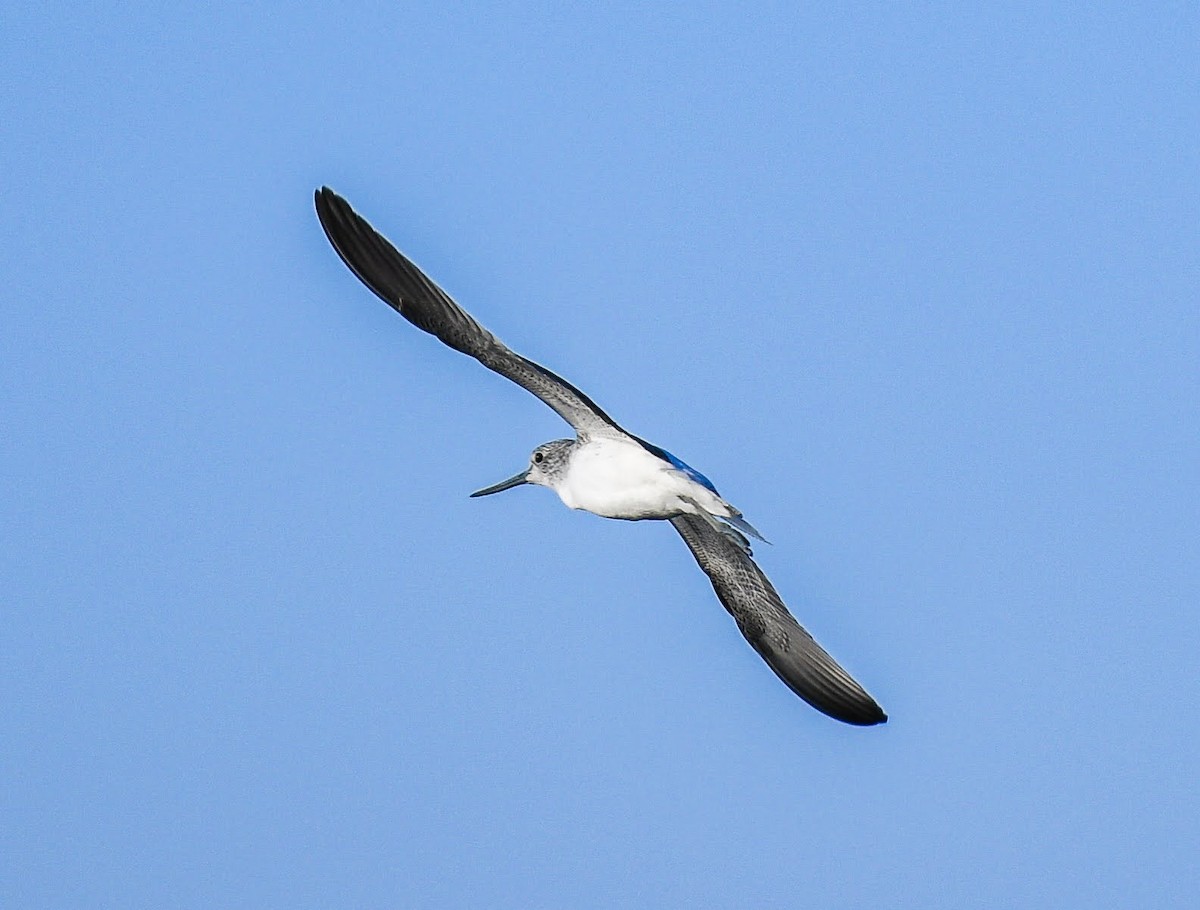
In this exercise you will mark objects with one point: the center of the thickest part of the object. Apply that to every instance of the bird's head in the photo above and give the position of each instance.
(547, 466)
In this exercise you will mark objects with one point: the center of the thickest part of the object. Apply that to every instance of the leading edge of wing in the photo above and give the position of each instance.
(788, 649)
(399, 283)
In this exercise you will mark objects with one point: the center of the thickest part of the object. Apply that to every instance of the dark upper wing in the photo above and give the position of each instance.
(406, 289)
(772, 631)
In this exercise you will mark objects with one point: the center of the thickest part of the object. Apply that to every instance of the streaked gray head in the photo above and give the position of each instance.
(547, 466)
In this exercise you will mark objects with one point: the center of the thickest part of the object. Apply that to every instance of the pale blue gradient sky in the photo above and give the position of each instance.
(918, 289)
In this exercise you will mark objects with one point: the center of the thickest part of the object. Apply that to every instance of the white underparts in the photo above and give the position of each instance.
(615, 478)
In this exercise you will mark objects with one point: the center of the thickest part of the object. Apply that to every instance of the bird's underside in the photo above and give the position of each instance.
(721, 552)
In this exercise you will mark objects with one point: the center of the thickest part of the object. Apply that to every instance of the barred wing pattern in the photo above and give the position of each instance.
(772, 631)
(407, 290)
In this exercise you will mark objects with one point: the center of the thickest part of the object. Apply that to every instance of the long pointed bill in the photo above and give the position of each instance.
(515, 481)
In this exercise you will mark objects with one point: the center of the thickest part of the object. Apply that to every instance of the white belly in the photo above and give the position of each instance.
(618, 479)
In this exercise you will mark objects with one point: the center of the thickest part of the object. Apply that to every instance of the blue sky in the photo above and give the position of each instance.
(916, 287)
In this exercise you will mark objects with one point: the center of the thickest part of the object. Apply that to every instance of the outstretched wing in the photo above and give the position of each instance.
(407, 290)
(772, 631)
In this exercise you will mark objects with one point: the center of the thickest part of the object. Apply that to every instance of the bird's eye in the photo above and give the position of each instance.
(538, 457)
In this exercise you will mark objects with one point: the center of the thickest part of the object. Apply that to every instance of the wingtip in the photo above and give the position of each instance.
(321, 203)
(853, 707)
(807, 669)
(324, 197)
(871, 719)
(862, 711)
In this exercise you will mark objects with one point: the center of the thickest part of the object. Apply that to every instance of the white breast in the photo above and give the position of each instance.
(616, 478)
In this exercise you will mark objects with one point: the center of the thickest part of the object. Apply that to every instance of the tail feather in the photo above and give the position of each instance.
(744, 526)
(730, 527)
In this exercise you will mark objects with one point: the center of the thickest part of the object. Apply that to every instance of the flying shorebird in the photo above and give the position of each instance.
(610, 472)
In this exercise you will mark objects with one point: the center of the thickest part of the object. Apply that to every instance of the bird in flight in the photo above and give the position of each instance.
(610, 472)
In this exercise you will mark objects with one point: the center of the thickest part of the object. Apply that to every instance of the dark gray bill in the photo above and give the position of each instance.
(515, 481)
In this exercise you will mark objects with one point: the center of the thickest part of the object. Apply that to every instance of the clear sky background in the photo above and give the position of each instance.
(918, 288)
